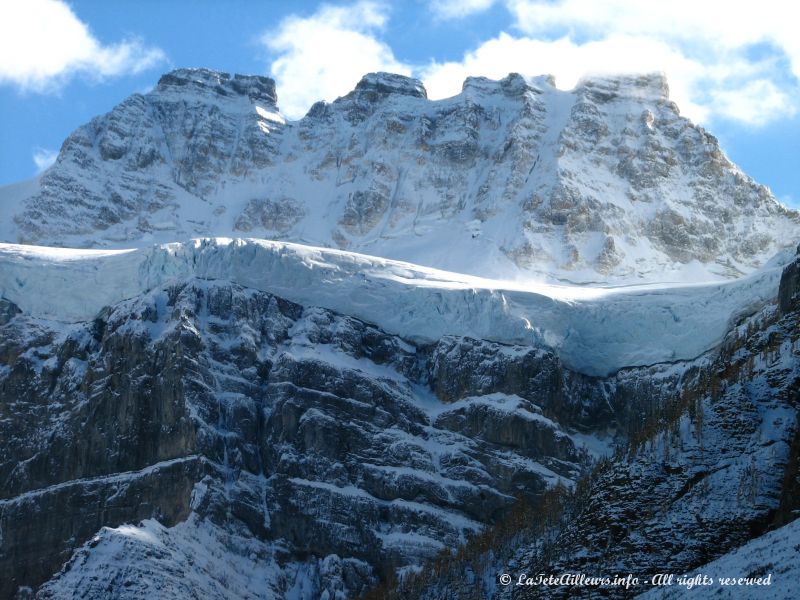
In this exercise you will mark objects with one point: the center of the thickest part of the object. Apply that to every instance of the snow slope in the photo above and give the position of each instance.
(596, 331)
(775, 553)
(194, 559)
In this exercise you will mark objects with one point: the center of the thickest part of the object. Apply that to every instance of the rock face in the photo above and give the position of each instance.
(314, 434)
(710, 462)
(127, 172)
(515, 177)
(718, 469)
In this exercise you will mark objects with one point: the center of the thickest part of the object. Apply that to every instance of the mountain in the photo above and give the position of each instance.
(395, 349)
(199, 435)
(510, 178)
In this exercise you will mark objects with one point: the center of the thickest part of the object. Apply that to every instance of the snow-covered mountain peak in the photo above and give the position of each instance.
(511, 178)
(382, 84)
(183, 81)
(513, 85)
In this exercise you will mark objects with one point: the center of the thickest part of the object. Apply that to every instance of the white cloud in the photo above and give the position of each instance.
(727, 58)
(567, 61)
(755, 102)
(43, 44)
(730, 60)
(728, 24)
(323, 56)
(43, 158)
(458, 9)
(733, 87)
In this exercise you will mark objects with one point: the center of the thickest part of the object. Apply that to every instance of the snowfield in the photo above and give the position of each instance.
(595, 330)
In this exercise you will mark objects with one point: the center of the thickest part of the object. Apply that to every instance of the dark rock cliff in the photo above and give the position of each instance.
(301, 426)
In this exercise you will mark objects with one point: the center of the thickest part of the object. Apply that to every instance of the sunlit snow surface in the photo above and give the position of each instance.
(595, 330)
(193, 559)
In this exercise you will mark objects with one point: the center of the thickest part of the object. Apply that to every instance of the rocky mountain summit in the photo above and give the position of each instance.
(509, 178)
(387, 391)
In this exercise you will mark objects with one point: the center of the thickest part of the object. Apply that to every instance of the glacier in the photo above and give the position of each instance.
(596, 331)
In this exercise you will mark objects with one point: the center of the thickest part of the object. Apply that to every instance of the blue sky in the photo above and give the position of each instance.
(733, 66)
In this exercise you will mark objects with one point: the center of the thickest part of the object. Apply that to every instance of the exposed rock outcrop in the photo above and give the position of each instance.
(310, 431)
